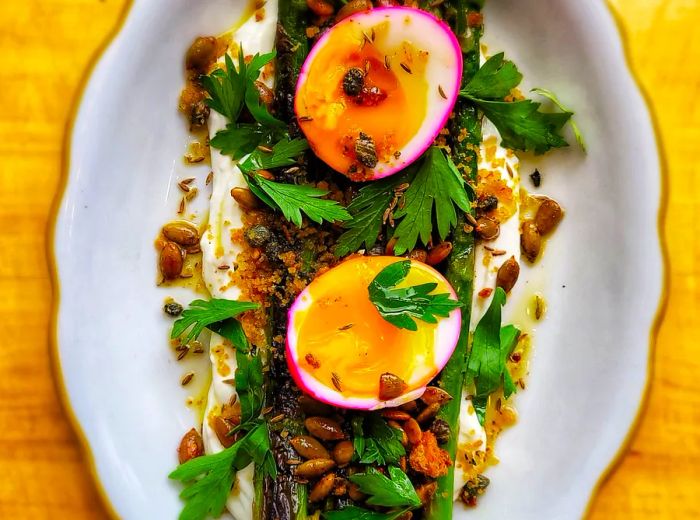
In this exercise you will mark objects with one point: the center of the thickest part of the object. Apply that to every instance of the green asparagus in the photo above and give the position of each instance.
(465, 132)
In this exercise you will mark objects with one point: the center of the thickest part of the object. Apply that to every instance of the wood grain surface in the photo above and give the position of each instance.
(45, 49)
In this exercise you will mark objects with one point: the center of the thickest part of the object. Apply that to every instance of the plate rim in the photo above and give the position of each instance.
(98, 56)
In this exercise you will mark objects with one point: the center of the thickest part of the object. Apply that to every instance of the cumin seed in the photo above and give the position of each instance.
(183, 187)
(181, 208)
(210, 177)
(442, 92)
(264, 148)
(187, 378)
(335, 379)
(346, 327)
(182, 354)
(386, 62)
(305, 119)
(277, 418)
(224, 267)
(405, 67)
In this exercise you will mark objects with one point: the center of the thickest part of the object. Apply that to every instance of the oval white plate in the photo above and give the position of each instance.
(602, 271)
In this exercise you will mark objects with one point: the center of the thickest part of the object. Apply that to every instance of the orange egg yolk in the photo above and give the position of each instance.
(390, 109)
(345, 343)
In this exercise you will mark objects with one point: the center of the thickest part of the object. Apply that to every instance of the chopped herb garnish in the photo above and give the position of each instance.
(491, 346)
(396, 490)
(521, 125)
(399, 306)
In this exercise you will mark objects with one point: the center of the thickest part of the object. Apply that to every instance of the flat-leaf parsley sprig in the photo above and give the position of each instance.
(521, 124)
(291, 199)
(208, 479)
(265, 144)
(491, 346)
(427, 198)
(399, 306)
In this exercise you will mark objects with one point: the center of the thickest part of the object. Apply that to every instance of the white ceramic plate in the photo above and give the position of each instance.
(602, 271)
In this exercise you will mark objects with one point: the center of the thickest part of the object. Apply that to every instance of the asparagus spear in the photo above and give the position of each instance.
(284, 498)
(460, 269)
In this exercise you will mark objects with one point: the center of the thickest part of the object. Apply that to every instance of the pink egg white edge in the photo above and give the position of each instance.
(452, 92)
(447, 333)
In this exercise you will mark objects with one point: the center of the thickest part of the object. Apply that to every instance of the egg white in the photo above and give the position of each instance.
(218, 248)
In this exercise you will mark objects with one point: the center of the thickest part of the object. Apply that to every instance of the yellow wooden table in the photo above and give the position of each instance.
(45, 47)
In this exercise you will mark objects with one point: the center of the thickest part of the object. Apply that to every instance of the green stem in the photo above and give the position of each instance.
(460, 269)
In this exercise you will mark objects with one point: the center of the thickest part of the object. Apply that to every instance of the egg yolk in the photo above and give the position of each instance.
(388, 110)
(345, 343)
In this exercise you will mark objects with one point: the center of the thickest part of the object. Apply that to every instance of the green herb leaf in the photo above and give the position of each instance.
(399, 306)
(434, 194)
(521, 125)
(293, 199)
(491, 346)
(232, 330)
(208, 479)
(226, 89)
(230, 88)
(554, 99)
(386, 439)
(359, 513)
(393, 491)
(367, 210)
(284, 153)
(509, 338)
(238, 140)
(202, 313)
(249, 372)
(378, 443)
(494, 80)
(249, 385)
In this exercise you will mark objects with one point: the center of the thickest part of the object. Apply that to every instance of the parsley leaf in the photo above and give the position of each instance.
(386, 438)
(491, 346)
(293, 199)
(494, 80)
(202, 313)
(290, 199)
(399, 306)
(284, 153)
(359, 513)
(208, 479)
(238, 140)
(393, 491)
(521, 125)
(249, 385)
(382, 445)
(367, 210)
(232, 87)
(434, 192)
(249, 372)
(554, 99)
